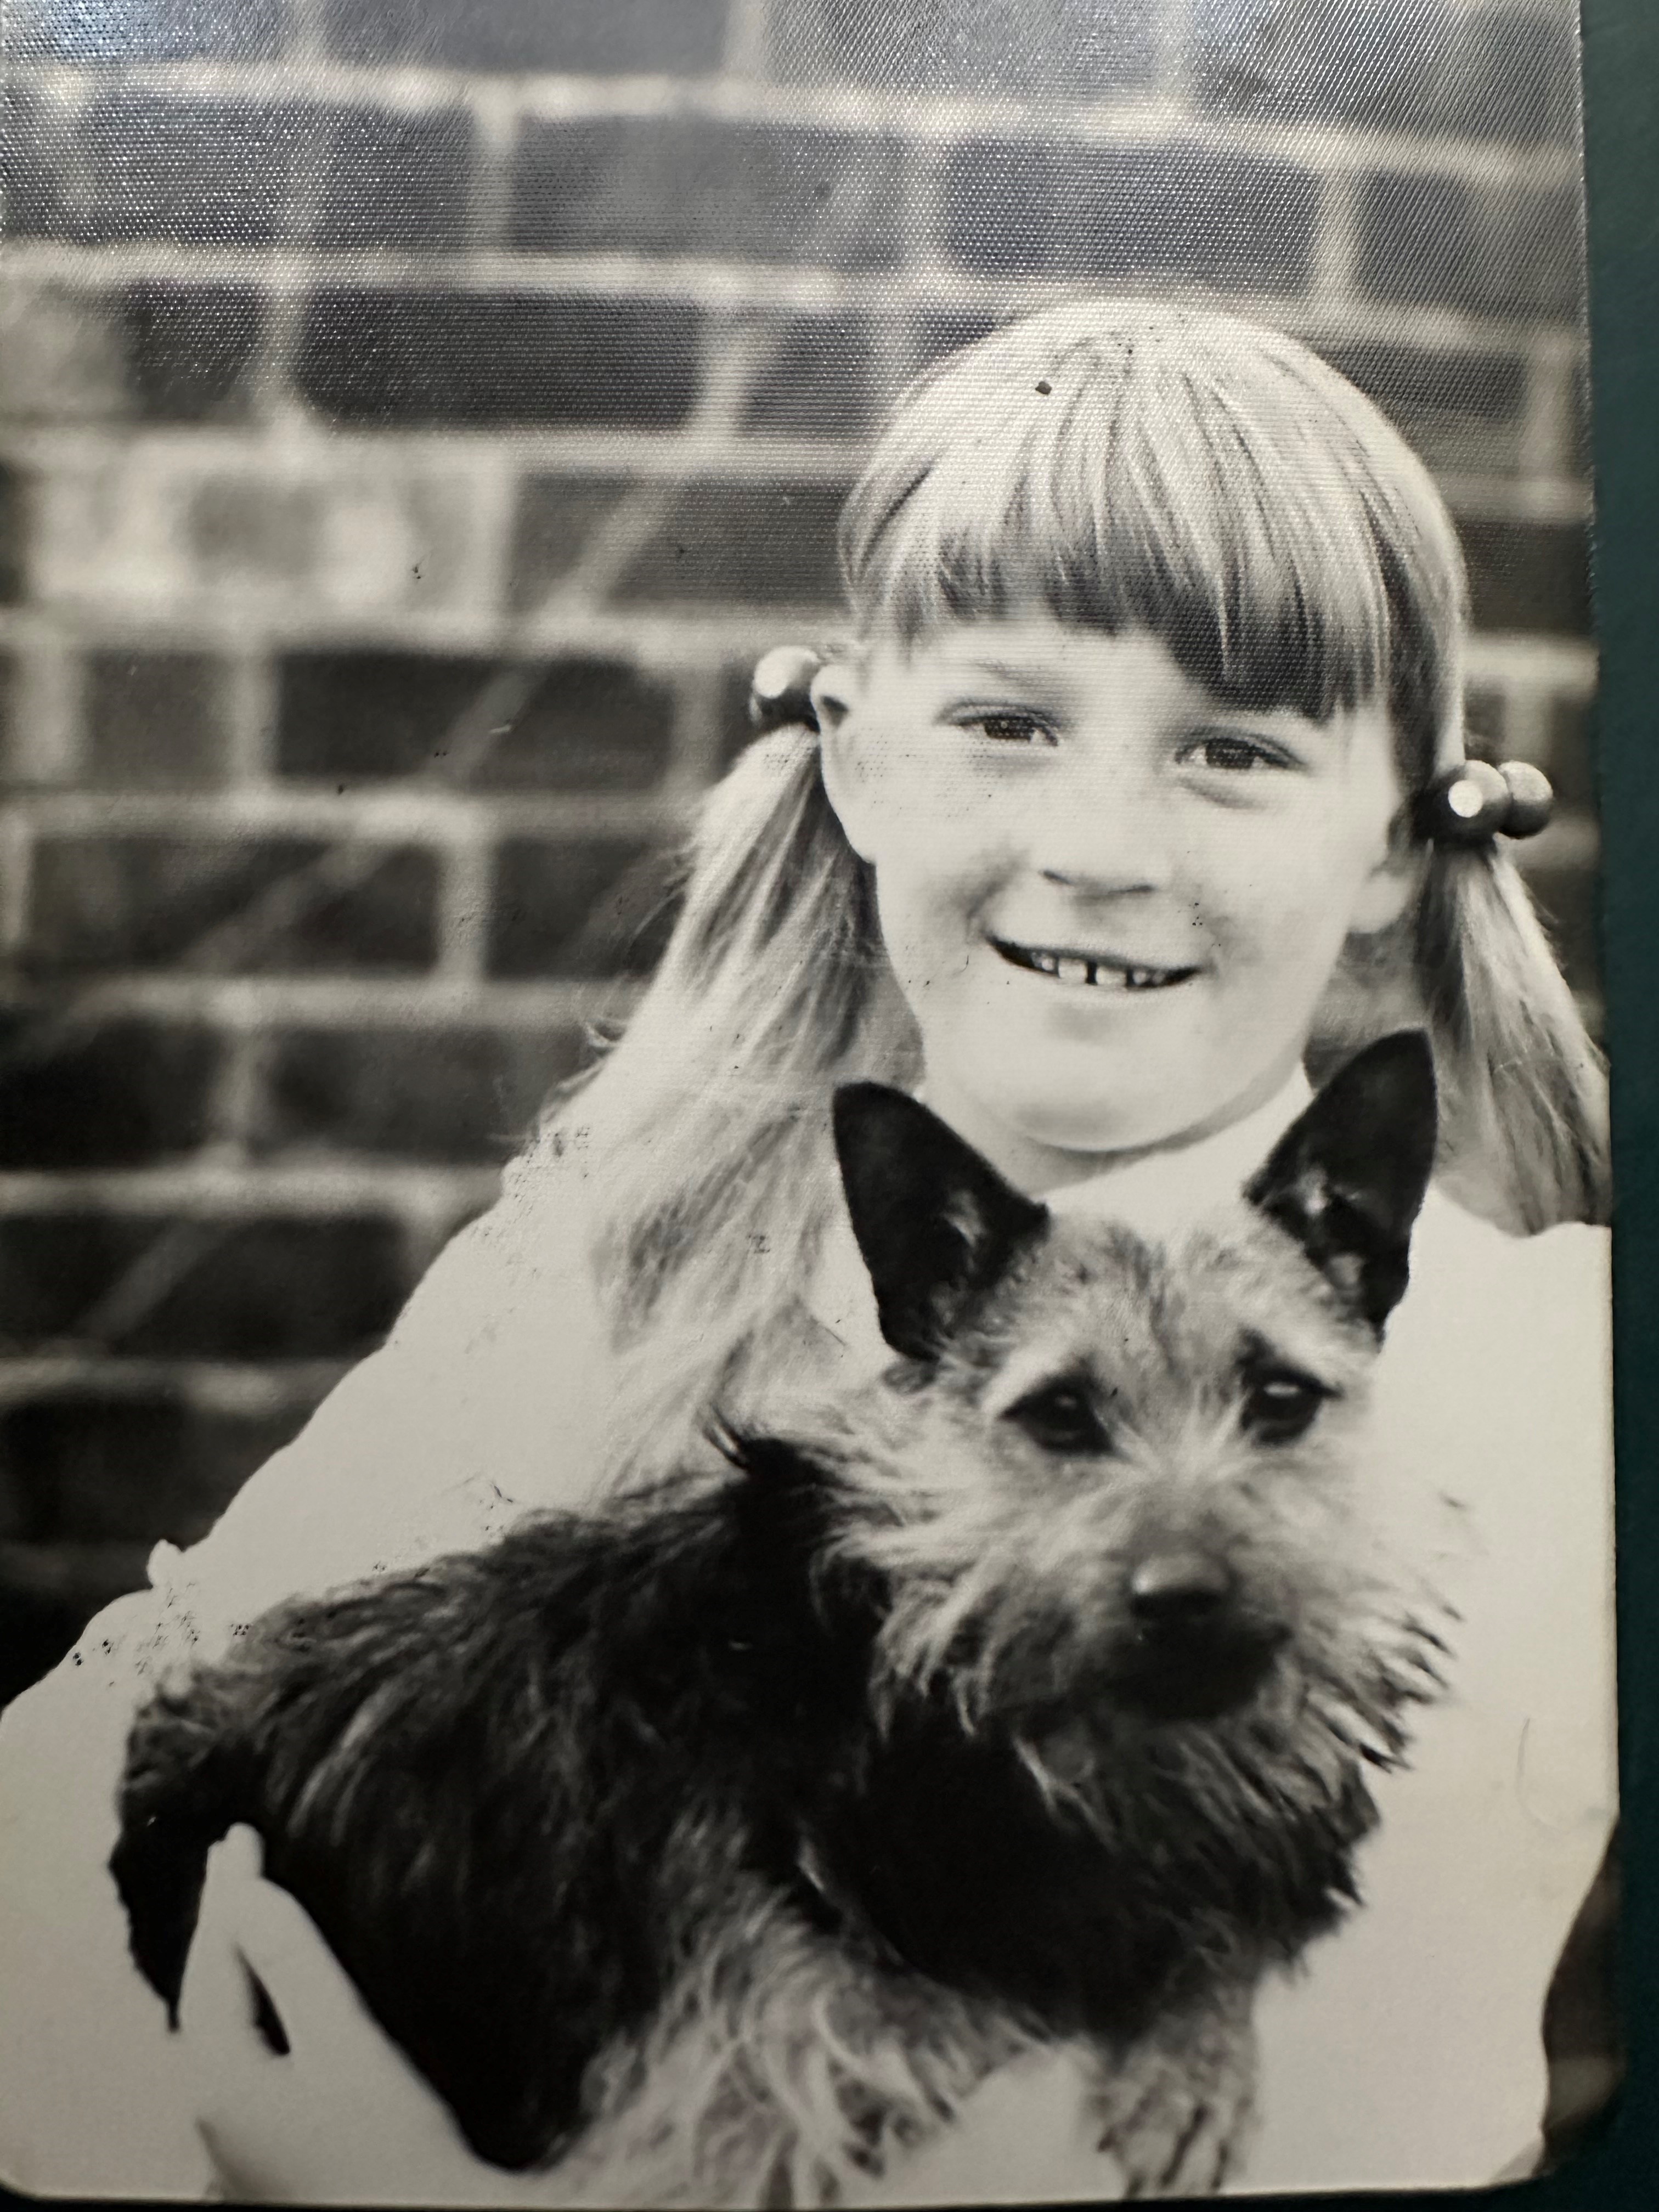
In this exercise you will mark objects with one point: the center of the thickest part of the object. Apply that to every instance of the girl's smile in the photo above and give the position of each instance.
(1100, 971)
(1113, 902)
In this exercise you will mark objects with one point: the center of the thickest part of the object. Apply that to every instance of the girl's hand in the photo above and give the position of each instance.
(343, 2118)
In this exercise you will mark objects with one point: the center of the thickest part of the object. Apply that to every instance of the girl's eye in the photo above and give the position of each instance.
(1008, 726)
(1280, 1404)
(1061, 1417)
(1230, 753)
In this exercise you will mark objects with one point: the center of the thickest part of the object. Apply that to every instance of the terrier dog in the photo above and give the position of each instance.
(712, 1848)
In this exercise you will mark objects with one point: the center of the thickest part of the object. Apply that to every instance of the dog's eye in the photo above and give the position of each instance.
(1280, 1404)
(1061, 1417)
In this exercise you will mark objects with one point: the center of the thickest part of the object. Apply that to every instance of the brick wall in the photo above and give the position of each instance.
(418, 413)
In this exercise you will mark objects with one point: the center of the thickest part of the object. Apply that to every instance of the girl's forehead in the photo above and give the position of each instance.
(1035, 644)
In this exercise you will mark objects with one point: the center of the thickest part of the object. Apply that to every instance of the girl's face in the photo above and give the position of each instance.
(1112, 902)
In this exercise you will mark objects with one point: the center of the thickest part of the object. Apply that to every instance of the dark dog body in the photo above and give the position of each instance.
(721, 1842)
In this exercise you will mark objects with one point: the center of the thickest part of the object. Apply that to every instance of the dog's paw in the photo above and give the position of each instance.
(1177, 2111)
(1180, 2146)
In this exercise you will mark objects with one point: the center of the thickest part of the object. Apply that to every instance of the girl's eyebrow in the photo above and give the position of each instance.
(1005, 672)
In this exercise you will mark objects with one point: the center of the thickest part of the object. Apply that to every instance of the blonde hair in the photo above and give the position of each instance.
(1123, 465)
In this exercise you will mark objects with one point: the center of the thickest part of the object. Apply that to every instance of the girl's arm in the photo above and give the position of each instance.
(487, 1398)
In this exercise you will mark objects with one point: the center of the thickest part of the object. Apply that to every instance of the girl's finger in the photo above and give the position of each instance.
(216, 2002)
(277, 1941)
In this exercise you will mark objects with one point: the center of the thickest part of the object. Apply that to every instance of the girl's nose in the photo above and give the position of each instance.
(1102, 835)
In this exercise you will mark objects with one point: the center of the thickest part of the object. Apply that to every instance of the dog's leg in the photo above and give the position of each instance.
(783, 2070)
(1177, 2107)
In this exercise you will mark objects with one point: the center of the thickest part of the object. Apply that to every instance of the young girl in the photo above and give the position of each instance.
(1138, 793)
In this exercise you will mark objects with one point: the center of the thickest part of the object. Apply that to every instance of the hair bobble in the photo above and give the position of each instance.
(1474, 802)
(780, 688)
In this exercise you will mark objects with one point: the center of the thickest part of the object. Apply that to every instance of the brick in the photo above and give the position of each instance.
(1517, 78)
(158, 31)
(14, 523)
(163, 352)
(396, 181)
(247, 528)
(128, 1468)
(449, 1095)
(1371, 64)
(1484, 724)
(1018, 208)
(1461, 409)
(936, 335)
(357, 534)
(599, 908)
(154, 720)
(63, 357)
(46, 1600)
(671, 185)
(1571, 758)
(674, 37)
(196, 172)
(587, 725)
(495, 359)
(764, 543)
(39, 166)
(1569, 899)
(192, 351)
(115, 1094)
(1429, 239)
(56, 1267)
(814, 377)
(1418, 66)
(556, 521)
(1529, 576)
(230, 905)
(202, 1288)
(1065, 49)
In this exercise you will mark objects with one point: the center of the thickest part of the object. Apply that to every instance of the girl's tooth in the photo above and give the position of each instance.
(1072, 971)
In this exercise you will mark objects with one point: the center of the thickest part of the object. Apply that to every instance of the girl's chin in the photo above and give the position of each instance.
(1085, 1128)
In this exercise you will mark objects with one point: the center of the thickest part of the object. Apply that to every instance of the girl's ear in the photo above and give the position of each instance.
(836, 690)
(1393, 882)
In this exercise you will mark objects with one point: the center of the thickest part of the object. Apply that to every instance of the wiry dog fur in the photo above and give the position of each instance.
(715, 1845)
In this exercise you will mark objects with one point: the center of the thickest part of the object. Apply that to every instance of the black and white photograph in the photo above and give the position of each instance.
(805, 1311)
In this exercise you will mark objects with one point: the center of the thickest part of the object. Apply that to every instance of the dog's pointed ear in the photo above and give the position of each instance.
(937, 1225)
(1347, 1179)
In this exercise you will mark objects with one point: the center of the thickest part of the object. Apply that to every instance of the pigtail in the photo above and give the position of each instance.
(704, 1135)
(1524, 1129)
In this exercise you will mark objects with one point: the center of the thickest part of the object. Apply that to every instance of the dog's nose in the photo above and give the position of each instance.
(1178, 1588)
